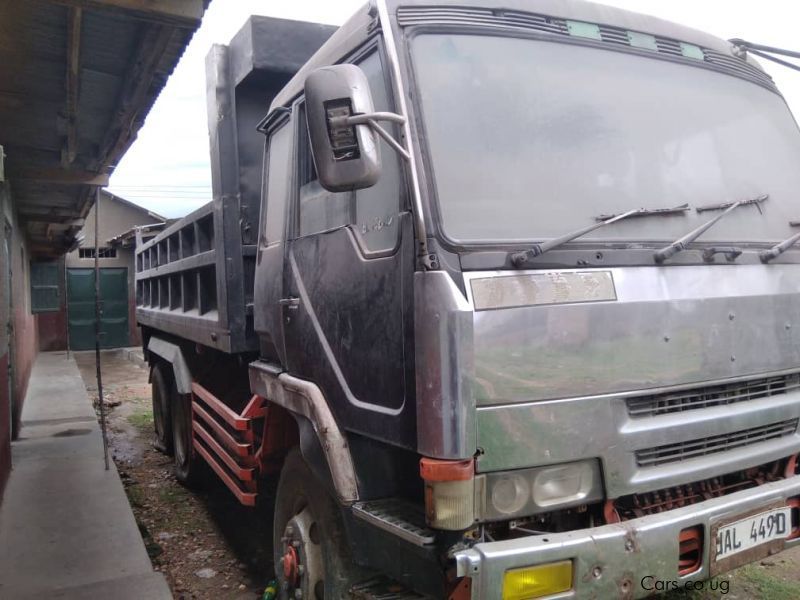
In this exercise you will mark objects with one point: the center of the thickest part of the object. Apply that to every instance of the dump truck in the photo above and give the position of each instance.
(492, 301)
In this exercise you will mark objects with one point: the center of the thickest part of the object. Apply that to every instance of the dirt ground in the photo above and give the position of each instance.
(210, 547)
(207, 545)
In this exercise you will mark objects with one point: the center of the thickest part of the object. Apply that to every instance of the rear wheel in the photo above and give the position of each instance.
(161, 382)
(310, 548)
(189, 467)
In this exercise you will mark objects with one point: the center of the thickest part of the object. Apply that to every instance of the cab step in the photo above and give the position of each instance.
(397, 516)
(383, 588)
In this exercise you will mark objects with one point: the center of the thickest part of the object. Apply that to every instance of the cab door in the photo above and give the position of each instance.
(350, 265)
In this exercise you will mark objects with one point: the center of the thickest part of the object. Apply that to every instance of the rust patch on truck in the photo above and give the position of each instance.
(632, 542)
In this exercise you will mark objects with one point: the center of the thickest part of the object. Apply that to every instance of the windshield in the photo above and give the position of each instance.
(529, 139)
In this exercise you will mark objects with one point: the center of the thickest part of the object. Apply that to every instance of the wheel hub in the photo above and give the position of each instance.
(301, 555)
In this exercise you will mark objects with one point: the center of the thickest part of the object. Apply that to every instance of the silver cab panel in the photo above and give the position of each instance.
(668, 375)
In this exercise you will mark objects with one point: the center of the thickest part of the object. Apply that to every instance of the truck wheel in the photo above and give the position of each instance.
(308, 541)
(188, 465)
(161, 382)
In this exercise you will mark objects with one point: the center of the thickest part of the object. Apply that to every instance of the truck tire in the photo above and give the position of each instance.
(308, 531)
(189, 467)
(161, 391)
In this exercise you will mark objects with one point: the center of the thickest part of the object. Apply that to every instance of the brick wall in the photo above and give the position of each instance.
(5, 425)
(20, 348)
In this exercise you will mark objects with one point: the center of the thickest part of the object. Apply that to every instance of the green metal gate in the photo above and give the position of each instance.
(114, 308)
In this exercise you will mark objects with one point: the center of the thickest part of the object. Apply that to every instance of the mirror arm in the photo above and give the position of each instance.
(387, 137)
(365, 118)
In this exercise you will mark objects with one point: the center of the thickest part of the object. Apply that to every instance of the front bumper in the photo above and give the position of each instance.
(612, 561)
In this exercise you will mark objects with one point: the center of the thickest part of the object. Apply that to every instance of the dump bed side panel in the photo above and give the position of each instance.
(195, 279)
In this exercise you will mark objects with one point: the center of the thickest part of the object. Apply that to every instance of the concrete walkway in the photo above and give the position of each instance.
(135, 355)
(66, 528)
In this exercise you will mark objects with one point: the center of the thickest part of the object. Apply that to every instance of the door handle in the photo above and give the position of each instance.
(291, 302)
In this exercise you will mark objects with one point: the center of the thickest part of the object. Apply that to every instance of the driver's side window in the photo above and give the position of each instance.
(276, 168)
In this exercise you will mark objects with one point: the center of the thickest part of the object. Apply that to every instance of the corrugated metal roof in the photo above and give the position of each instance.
(127, 50)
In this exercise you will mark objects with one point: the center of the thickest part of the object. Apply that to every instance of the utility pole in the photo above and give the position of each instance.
(97, 312)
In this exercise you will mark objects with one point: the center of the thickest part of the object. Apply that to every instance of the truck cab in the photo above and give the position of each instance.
(523, 308)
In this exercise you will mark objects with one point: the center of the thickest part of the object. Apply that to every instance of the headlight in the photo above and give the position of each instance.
(526, 492)
(564, 483)
(510, 493)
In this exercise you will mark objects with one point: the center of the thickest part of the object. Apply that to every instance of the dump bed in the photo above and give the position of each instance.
(195, 279)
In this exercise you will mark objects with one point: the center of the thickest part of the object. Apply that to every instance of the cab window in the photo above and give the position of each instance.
(277, 181)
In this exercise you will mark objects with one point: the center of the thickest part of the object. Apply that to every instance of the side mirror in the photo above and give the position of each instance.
(346, 155)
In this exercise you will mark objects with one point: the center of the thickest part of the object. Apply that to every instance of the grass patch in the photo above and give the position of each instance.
(136, 496)
(173, 495)
(750, 581)
(713, 589)
(768, 585)
(154, 550)
(142, 419)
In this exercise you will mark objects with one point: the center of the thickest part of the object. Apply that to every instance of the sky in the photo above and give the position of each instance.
(167, 168)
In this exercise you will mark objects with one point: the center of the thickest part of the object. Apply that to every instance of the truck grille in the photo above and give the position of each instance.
(671, 453)
(674, 49)
(712, 395)
(648, 503)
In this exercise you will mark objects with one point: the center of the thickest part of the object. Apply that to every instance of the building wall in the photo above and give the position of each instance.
(5, 424)
(124, 259)
(135, 330)
(116, 217)
(5, 291)
(17, 350)
(25, 323)
(46, 331)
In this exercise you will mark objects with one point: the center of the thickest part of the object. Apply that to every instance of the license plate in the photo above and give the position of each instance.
(753, 531)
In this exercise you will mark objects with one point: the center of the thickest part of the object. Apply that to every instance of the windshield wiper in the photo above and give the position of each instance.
(680, 244)
(650, 211)
(520, 258)
(757, 201)
(778, 249)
